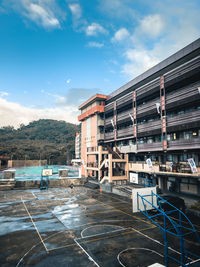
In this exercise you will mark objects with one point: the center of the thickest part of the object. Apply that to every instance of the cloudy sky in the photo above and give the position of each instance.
(54, 54)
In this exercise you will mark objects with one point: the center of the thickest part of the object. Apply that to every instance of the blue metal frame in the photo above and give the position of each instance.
(170, 226)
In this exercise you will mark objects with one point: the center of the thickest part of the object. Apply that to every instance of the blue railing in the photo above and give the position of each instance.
(170, 226)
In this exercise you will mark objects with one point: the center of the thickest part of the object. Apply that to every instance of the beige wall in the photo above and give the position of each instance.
(28, 163)
(88, 141)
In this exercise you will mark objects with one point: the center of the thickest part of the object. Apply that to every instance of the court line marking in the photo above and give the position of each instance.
(89, 257)
(34, 225)
(121, 228)
(192, 262)
(97, 239)
(157, 241)
(136, 249)
(127, 213)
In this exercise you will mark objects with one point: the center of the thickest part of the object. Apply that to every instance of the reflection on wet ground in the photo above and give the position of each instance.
(79, 227)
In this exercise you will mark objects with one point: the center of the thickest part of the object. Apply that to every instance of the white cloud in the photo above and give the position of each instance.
(120, 35)
(95, 44)
(39, 14)
(76, 10)
(45, 13)
(152, 25)
(94, 29)
(58, 99)
(14, 114)
(160, 35)
(2, 93)
(68, 81)
(138, 61)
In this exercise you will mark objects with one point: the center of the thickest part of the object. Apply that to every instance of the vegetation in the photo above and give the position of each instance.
(43, 139)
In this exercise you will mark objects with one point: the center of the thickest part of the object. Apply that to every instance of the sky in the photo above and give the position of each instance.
(55, 54)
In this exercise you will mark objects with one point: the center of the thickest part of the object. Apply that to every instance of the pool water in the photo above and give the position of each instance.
(34, 172)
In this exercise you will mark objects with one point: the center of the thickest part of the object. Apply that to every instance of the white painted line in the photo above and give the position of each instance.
(89, 257)
(192, 262)
(34, 225)
(158, 242)
(34, 195)
(137, 249)
(121, 228)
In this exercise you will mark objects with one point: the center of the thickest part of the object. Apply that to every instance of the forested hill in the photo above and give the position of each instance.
(45, 139)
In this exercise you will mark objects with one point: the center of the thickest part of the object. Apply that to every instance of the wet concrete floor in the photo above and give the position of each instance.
(79, 227)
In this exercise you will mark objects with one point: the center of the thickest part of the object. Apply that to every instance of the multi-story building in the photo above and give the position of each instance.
(78, 146)
(157, 116)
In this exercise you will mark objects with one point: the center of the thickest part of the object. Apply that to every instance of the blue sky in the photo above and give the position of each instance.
(56, 54)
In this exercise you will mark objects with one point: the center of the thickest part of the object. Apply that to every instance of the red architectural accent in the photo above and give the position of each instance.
(162, 82)
(91, 111)
(92, 99)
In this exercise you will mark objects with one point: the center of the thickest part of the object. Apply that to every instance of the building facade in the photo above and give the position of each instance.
(156, 116)
(78, 146)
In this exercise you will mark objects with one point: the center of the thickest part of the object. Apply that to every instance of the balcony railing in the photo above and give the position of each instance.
(149, 147)
(100, 122)
(185, 95)
(109, 136)
(109, 107)
(151, 86)
(100, 136)
(124, 115)
(190, 117)
(149, 107)
(182, 144)
(108, 122)
(122, 101)
(128, 149)
(128, 131)
(183, 69)
(149, 126)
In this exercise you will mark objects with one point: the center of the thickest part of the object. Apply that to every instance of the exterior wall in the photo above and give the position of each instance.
(83, 147)
(78, 146)
(26, 163)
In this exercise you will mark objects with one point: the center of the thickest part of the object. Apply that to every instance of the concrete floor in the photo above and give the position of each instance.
(78, 227)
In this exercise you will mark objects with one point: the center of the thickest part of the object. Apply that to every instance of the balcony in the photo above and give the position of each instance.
(153, 126)
(148, 88)
(100, 122)
(183, 71)
(183, 144)
(109, 136)
(185, 95)
(128, 149)
(148, 108)
(125, 100)
(183, 121)
(100, 136)
(149, 147)
(109, 107)
(128, 131)
(124, 116)
(108, 122)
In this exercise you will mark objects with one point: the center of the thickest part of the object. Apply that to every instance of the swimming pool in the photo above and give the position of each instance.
(34, 172)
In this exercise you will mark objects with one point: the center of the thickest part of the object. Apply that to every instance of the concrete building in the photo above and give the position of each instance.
(156, 116)
(78, 146)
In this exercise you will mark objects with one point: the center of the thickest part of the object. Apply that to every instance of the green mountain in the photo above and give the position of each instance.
(43, 139)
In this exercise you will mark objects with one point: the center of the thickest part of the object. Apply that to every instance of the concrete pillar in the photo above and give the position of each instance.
(110, 167)
(159, 183)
